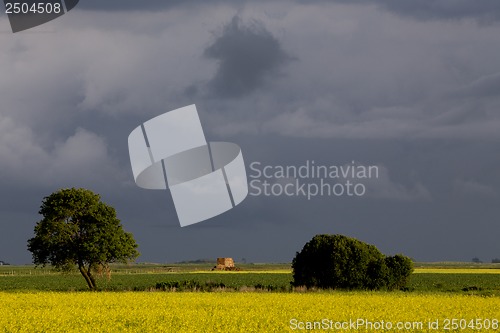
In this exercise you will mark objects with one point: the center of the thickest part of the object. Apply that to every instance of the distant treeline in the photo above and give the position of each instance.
(479, 261)
(197, 261)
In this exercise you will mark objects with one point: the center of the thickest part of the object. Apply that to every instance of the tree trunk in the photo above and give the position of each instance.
(88, 277)
(91, 277)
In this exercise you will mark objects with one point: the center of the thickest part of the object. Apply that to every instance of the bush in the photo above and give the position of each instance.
(378, 274)
(340, 262)
(400, 268)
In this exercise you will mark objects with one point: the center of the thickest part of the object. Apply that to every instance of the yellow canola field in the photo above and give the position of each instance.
(458, 270)
(246, 312)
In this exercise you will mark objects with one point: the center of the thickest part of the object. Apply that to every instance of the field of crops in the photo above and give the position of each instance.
(245, 312)
(484, 282)
(260, 299)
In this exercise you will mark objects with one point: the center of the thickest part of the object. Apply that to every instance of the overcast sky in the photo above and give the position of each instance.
(410, 86)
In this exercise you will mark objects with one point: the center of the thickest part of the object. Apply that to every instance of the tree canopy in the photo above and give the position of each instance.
(340, 262)
(78, 229)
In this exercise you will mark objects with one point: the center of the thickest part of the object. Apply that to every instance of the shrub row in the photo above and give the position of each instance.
(192, 285)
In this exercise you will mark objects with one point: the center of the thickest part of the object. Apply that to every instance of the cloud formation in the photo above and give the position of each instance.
(82, 159)
(246, 56)
(484, 11)
(409, 86)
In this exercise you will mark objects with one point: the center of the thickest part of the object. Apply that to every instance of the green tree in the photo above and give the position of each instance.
(78, 229)
(337, 261)
(334, 261)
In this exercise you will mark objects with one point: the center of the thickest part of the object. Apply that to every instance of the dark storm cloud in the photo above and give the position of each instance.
(247, 55)
(484, 10)
(485, 86)
(417, 98)
(118, 5)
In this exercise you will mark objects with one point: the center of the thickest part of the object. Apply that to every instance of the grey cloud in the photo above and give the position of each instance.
(485, 86)
(119, 5)
(468, 123)
(384, 187)
(420, 80)
(247, 55)
(484, 11)
(473, 188)
(82, 158)
(416, 97)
